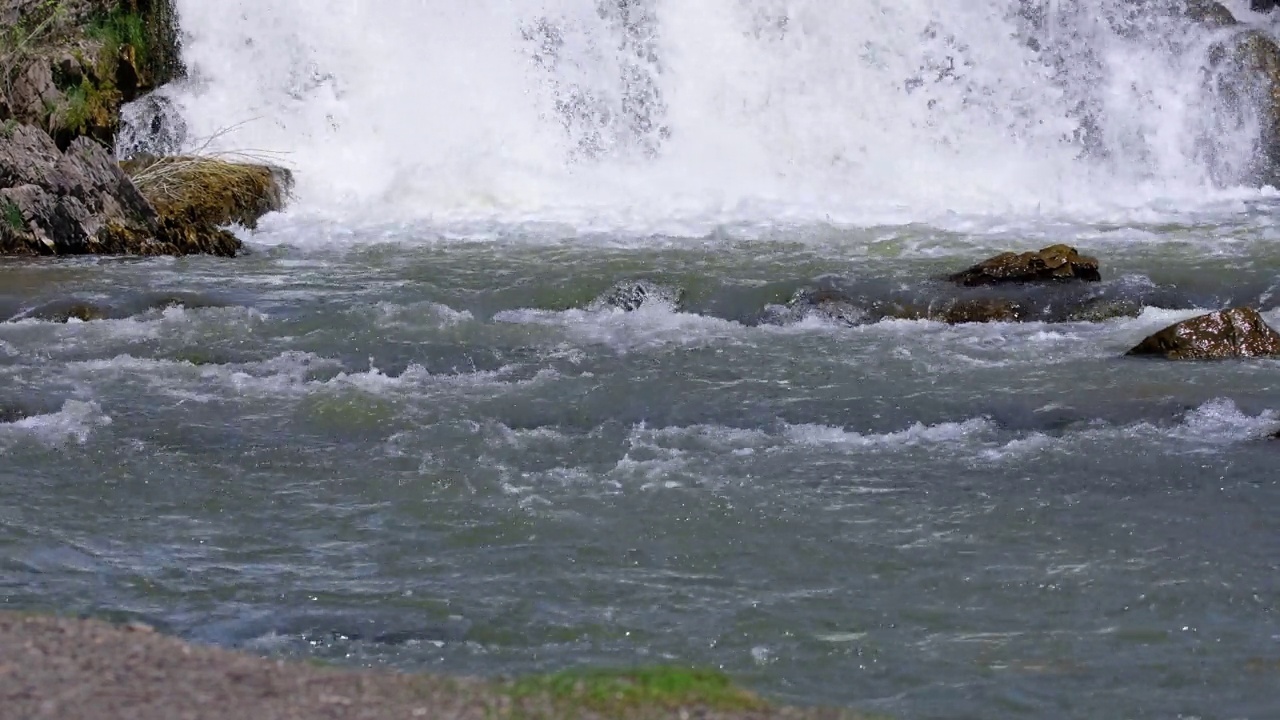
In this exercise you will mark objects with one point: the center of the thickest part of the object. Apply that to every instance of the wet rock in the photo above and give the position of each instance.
(62, 311)
(1233, 333)
(81, 201)
(1056, 263)
(190, 301)
(1103, 309)
(979, 310)
(12, 413)
(1245, 73)
(631, 295)
(70, 203)
(829, 305)
(835, 306)
(1263, 5)
(152, 125)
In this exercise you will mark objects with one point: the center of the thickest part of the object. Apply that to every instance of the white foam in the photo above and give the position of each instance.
(75, 423)
(775, 112)
(917, 434)
(652, 325)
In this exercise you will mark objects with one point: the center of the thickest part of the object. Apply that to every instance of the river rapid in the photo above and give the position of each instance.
(400, 431)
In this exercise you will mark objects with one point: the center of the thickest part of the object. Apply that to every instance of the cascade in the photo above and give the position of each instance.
(618, 112)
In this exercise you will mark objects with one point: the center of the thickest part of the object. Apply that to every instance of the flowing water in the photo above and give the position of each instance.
(400, 431)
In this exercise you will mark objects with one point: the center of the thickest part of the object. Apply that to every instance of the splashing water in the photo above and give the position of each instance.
(624, 113)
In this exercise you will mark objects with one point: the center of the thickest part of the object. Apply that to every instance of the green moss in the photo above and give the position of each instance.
(120, 28)
(89, 109)
(11, 215)
(618, 693)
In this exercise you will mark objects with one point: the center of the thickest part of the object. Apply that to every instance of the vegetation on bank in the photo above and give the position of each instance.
(128, 670)
(622, 693)
(69, 65)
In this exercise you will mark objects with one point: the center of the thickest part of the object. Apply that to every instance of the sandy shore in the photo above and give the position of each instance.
(70, 669)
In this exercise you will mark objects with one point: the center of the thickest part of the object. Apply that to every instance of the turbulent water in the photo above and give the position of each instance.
(400, 430)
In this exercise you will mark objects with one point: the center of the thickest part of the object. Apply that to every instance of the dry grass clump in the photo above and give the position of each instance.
(209, 189)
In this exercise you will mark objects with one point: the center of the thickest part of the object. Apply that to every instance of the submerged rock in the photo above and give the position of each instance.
(826, 304)
(1101, 309)
(631, 295)
(979, 310)
(1233, 333)
(1055, 263)
(63, 311)
(12, 413)
(835, 306)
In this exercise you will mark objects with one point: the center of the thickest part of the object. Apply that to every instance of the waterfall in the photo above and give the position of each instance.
(612, 113)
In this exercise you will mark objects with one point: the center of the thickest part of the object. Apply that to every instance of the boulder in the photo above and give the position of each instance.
(631, 295)
(1234, 333)
(64, 311)
(978, 310)
(1057, 263)
(12, 414)
(80, 201)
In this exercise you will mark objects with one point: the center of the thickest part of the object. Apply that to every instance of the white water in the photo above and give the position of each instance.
(772, 111)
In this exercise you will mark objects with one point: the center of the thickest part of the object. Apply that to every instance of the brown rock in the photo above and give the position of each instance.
(1056, 263)
(1234, 333)
(979, 310)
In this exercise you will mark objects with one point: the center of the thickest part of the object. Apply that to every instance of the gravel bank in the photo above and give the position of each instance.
(69, 669)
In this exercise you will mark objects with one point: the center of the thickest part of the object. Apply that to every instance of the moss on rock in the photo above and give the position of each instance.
(210, 191)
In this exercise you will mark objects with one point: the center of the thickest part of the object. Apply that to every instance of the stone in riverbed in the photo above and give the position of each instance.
(1056, 263)
(979, 310)
(631, 295)
(1233, 333)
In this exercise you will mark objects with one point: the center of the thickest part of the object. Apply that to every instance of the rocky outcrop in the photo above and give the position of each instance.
(68, 203)
(1234, 333)
(81, 201)
(1056, 263)
(67, 66)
